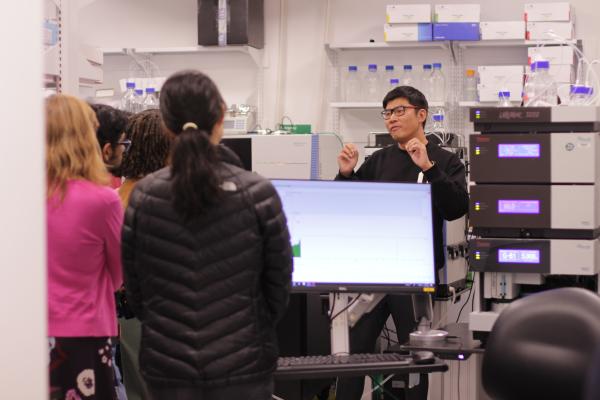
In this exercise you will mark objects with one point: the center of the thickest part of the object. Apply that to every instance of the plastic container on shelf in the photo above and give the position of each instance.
(438, 130)
(424, 84)
(544, 87)
(529, 86)
(352, 84)
(138, 101)
(388, 75)
(407, 78)
(580, 95)
(392, 84)
(438, 84)
(128, 98)
(150, 101)
(470, 93)
(372, 84)
(504, 99)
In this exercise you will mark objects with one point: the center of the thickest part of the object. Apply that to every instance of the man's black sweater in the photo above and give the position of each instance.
(447, 178)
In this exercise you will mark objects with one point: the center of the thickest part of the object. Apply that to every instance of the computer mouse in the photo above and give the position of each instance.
(423, 357)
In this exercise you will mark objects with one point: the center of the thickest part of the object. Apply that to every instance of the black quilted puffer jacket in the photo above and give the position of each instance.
(208, 291)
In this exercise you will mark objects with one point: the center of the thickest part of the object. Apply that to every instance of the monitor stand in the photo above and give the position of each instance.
(347, 310)
(423, 309)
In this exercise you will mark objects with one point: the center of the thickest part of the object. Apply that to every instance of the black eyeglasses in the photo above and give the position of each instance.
(126, 143)
(397, 111)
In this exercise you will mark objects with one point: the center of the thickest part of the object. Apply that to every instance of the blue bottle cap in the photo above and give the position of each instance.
(139, 91)
(352, 68)
(389, 67)
(543, 64)
(394, 81)
(408, 67)
(586, 90)
(437, 65)
(150, 90)
(372, 67)
(504, 94)
(130, 85)
(426, 66)
(438, 117)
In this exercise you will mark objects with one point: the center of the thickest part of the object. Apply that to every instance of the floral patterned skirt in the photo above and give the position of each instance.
(82, 368)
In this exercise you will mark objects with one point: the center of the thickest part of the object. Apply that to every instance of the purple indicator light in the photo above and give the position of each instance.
(518, 206)
(519, 150)
(461, 357)
(518, 256)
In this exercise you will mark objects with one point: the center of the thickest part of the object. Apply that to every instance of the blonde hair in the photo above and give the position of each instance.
(72, 150)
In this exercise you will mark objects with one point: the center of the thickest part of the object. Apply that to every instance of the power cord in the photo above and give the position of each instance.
(354, 300)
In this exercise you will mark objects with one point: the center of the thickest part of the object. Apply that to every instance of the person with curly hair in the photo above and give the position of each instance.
(149, 152)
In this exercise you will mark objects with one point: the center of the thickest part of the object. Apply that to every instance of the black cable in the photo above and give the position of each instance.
(332, 306)
(473, 302)
(354, 300)
(466, 302)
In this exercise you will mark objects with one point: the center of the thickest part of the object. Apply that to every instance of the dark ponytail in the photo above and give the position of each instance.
(191, 106)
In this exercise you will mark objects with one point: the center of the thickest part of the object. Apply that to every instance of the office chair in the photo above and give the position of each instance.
(542, 346)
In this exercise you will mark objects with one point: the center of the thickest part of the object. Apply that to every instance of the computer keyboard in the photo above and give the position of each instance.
(341, 365)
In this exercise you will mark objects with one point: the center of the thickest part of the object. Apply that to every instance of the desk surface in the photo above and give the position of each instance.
(360, 370)
(460, 341)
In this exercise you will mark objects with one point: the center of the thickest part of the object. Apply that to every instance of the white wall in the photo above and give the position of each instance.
(23, 365)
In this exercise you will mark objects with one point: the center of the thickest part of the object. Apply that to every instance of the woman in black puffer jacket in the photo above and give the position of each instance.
(207, 259)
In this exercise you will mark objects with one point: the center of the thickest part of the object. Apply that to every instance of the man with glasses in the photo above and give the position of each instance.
(411, 159)
(111, 137)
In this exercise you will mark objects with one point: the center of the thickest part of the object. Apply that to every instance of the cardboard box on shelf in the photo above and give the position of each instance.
(493, 75)
(556, 55)
(457, 13)
(408, 13)
(456, 31)
(407, 32)
(498, 30)
(539, 12)
(539, 30)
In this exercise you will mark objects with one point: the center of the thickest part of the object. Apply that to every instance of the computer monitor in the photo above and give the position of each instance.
(359, 236)
(243, 148)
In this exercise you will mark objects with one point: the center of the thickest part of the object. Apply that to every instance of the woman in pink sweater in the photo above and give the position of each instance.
(84, 259)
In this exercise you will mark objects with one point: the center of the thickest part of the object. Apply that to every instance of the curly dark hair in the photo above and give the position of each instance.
(150, 145)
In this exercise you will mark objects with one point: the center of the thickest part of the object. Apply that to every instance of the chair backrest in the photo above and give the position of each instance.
(542, 346)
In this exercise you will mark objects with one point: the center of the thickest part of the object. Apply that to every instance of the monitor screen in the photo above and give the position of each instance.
(359, 236)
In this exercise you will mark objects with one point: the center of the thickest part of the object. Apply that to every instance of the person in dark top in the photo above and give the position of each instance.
(111, 138)
(207, 259)
(413, 159)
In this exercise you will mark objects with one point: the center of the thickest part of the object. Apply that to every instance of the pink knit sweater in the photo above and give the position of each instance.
(84, 260)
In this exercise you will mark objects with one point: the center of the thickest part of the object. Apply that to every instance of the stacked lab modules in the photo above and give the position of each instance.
(534, 206)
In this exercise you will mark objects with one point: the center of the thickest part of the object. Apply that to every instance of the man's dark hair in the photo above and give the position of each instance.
(150, 145)
(412, 95)
(111, 122)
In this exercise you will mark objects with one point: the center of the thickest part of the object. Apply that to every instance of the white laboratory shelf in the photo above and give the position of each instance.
(356, 105)
(386, 45)
(471, 104)
(369, 105)
(510, 43)
(255, 54)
